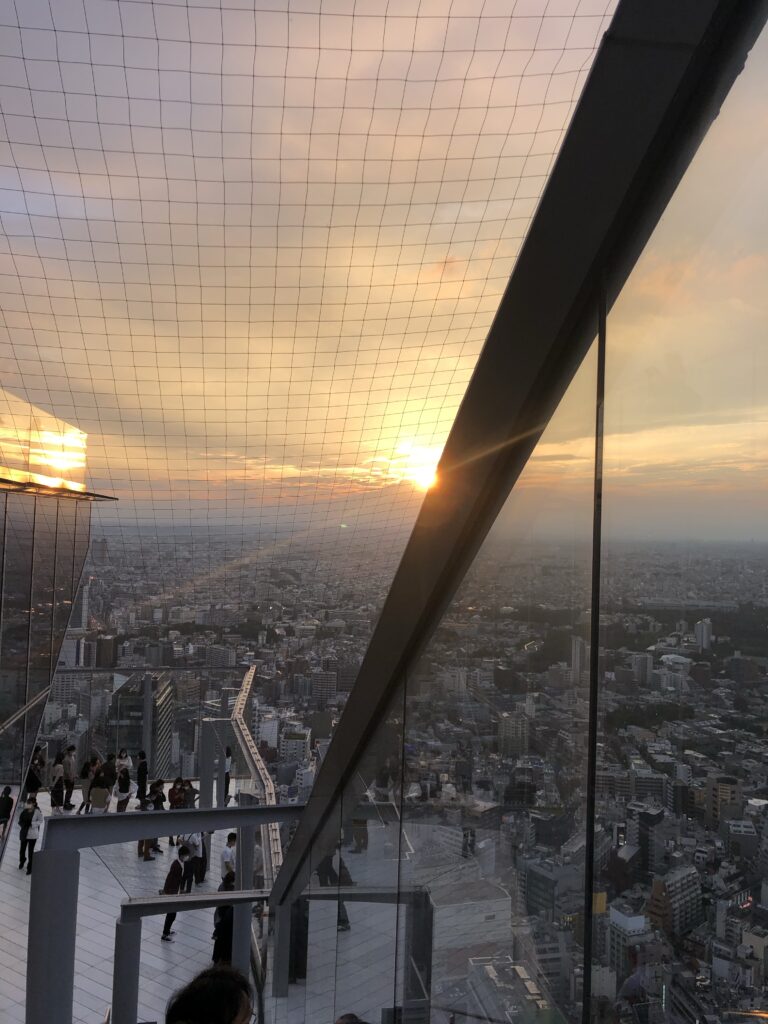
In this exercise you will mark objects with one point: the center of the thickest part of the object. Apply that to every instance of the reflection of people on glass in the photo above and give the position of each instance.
(327, 876)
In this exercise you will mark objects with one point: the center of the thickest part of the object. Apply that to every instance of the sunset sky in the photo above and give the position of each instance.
(253, 255)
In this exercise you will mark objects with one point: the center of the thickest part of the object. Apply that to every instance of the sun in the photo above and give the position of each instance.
(418, 464)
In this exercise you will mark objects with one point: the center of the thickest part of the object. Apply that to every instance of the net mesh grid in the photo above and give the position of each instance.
(253, 251)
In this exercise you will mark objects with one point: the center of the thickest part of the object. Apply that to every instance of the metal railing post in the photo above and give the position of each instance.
(243, 914)
(52, 935)
(125, 977)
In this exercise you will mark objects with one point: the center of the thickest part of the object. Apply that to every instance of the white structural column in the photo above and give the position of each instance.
(52, 935)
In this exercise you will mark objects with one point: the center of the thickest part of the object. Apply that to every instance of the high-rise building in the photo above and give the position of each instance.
(675, 905)
(628, 931)
(141, 716)
(513, 733)
(703, 633)
(724, 799)
(323, 686)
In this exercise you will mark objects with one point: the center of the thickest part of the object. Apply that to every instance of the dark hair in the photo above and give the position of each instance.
(142, 754)
(71, 747)
(85, 769)
(124, 781)
(59, 759)
(122, 751)
(214, 997)
(349, 1018)
(7, 791)
(228, 751)
(231, 836)
(110, 757)
(229, 881)
(178, 780)
(184, 851)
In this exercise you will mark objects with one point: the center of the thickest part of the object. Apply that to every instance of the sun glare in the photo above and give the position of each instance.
(418, 464)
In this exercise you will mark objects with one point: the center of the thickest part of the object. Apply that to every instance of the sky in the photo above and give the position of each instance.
(686, 397)
(254, 254)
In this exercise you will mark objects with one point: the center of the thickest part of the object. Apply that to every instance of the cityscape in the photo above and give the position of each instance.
(493, 790)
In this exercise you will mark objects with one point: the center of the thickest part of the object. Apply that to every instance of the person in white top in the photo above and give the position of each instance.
(123, 760)
(229, 855)
(227, 772)
(32, 832)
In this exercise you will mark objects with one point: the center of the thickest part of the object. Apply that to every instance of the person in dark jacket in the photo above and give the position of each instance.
(109, 770)
(35, 773)
(142, 774)
(6, 810)
(223, 921)
(172, 887)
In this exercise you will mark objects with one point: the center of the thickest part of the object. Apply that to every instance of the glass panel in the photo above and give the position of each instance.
(14, 642)
(368, 868)
(41, 623)
(493, 818)
(65, 540)
(680, 921)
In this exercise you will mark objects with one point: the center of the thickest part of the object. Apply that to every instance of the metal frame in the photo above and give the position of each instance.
(56, 878)
(125, 974)
(655, 86)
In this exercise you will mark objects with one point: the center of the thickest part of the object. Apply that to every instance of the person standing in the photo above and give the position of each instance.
(229, 855)
(57, 784)
(223, 921)
(35, 773)
(227, 772)
(99, 793)
(109, 768)
(175, 800)
(172, 887)
(142, 774)
(123, 790)
(194, 866)
(70, 770)
(123, 760)
(6, 810)
(87, 776)
(30, 823)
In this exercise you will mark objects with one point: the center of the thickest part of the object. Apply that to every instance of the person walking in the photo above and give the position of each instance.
(123, 790)
(229, 855)
(142, 774)
(193, 868)
(172, 887)
(99, 793)
(57, 784)
(30, 823)
(223, 921)
(6, 810)
(70, 769)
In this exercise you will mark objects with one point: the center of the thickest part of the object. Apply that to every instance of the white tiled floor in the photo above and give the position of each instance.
(107, 877)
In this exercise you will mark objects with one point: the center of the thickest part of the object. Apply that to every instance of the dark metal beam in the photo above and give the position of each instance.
(81, 831)
(654, 87)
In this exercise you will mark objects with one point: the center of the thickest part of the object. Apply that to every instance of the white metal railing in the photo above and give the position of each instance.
(271, 845)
